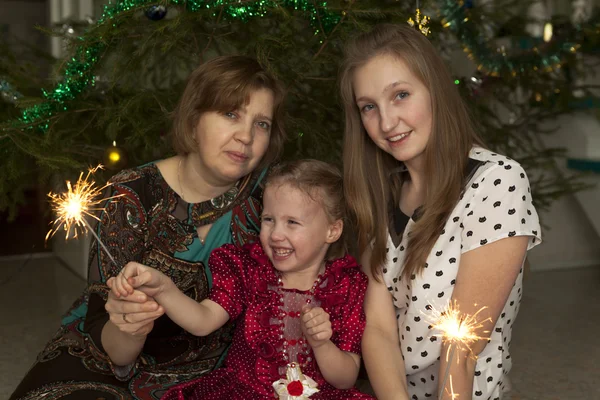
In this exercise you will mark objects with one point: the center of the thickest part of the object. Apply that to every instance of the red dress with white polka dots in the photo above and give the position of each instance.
(245, 284)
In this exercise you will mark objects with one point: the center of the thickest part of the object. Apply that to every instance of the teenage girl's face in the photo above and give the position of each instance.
(395, 107)
(295, 232)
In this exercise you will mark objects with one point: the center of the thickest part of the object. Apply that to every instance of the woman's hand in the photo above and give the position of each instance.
(133, 314)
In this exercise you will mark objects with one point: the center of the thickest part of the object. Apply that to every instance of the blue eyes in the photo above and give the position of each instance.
(368, 107)
(399, 96)
(261, 124)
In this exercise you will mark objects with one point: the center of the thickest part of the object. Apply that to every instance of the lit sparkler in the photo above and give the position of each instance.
(72, 208)
(458, 329)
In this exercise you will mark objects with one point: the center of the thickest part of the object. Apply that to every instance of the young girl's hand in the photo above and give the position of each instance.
(316, 326)
(137, 276)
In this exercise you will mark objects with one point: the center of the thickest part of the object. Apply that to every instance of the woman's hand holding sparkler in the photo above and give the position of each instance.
(132, 315)
(132, 298)
(131, 320)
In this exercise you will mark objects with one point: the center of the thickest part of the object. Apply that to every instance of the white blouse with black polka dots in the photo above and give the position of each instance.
(496, 204)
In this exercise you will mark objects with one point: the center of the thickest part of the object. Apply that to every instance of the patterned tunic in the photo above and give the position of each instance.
(148, 223)
(245, 285)
(496, 204)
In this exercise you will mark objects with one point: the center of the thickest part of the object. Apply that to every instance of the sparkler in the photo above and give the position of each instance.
(72, 207)
(458, 329)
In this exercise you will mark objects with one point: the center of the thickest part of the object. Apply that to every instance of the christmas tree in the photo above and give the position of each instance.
(125, 71)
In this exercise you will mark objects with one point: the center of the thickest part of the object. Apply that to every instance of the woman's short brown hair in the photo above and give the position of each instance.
(225, 84)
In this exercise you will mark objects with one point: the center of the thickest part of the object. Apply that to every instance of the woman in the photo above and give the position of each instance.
(169, 215)
(440, 220)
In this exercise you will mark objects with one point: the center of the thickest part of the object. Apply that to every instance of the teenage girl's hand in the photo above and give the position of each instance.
(316, 326)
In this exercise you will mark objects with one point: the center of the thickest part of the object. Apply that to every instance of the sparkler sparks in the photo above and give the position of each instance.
(460, 330)
(457, 327)
(453, 396)
(72, 208)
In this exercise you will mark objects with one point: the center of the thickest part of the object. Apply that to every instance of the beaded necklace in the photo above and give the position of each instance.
(295, 350)
(287, 342)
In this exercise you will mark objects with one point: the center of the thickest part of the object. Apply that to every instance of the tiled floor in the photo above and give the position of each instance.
(32, 302)
(555, 349)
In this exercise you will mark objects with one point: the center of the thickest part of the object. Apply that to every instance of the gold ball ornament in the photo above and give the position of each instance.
(115, 157)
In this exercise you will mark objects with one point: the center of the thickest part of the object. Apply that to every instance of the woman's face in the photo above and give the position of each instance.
(231, 144)
(395, 107)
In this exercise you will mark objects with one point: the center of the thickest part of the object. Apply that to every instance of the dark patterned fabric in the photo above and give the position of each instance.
(148, 223)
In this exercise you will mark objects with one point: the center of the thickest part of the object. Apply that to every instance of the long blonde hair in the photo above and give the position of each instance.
(369, 182)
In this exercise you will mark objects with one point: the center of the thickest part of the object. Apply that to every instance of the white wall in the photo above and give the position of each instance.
(573, 240)
(73, 252)
(570, 241)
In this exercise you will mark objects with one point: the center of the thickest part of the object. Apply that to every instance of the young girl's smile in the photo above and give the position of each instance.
(296, 233)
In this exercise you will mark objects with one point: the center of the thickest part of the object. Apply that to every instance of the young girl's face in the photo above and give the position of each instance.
(395, 107)
(295, 230)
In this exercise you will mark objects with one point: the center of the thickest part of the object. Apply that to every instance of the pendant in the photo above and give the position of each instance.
(297, 386)
(225, 199)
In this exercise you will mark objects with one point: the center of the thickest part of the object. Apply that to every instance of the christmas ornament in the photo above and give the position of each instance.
(8, 93)
(420, 22)
(156, 13)
(547, 32)
(114, 157)
(498, 62)
(297, 386)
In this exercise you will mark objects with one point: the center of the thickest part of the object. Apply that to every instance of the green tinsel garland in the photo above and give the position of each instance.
(455, 17)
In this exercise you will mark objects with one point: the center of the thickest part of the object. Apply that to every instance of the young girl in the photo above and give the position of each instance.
(441, 221)
(296, 298)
